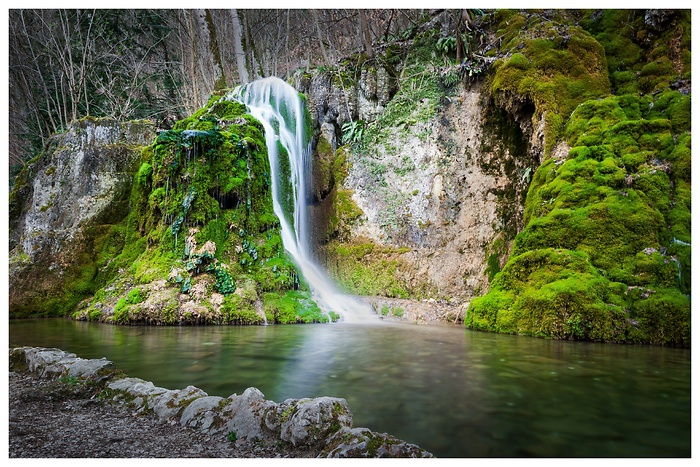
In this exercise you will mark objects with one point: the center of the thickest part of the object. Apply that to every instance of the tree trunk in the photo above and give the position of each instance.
(366, 35)
(251, 52)
(320, 38)
(238, 47)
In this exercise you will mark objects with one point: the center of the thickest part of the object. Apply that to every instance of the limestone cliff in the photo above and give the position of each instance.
(62, 210)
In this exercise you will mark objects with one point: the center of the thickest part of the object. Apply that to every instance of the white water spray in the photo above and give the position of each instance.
(277, 105)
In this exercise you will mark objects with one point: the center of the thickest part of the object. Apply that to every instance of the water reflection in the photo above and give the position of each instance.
(455, 392)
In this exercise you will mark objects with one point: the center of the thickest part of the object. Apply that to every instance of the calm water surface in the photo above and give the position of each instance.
(454, 392)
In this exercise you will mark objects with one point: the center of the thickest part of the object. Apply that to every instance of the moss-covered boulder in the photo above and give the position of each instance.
(605, 254)
(202, 243)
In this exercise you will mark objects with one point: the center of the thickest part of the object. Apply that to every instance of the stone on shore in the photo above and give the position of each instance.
(322, 424)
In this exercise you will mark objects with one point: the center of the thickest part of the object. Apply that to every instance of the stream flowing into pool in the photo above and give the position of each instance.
(452, 391)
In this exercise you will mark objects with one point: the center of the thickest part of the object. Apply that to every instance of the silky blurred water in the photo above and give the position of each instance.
(454, 392)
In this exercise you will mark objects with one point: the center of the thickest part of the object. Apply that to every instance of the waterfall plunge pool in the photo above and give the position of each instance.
(452, 391)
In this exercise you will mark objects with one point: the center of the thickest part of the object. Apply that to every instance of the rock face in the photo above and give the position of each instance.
(442, 198)
(323, 424)
(529, 158)
(61, 203)
(449, 197)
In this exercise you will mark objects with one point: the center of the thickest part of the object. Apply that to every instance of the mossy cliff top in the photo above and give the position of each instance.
(548, 66)
(605, 253)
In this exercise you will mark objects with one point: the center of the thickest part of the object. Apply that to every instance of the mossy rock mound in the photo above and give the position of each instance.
(618, 206)
(202, 242)
(647, 50)
(549, 67)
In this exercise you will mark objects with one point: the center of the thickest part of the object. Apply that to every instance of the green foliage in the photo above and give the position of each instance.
(69, 380)
(416, 100)
(134, 296)
(395, 311)
(224, 282)
(352, 131)
(231, 436)
(445, 45)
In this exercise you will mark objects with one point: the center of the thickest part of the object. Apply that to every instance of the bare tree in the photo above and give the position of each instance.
(238, 47)
(366, 35)
(164, 64)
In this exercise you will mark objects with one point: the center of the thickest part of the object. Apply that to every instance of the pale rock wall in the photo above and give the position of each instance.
(83, 179)
(446, 207)
(451, 189)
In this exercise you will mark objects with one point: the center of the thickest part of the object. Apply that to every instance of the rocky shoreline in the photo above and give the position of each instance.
(63, 406)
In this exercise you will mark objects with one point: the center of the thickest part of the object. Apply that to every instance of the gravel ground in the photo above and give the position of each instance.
(52, 419)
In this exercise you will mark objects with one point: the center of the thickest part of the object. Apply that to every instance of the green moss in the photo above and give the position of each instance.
(208, 208)
(638, 60)
(603, 222)
(553, 75)
(238, 310)
(369, 269)
(293, 306)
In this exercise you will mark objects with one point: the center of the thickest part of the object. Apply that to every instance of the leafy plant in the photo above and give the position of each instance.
(353, 131)
(445, 45)
(70, 380)
(231, 436)
(224, 283)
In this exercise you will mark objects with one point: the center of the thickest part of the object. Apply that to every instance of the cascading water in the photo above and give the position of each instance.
(281, 111)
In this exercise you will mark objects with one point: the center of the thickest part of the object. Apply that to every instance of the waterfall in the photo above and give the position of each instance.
(280, 109)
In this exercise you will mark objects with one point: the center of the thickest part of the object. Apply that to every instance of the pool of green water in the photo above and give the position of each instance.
(454, 392)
